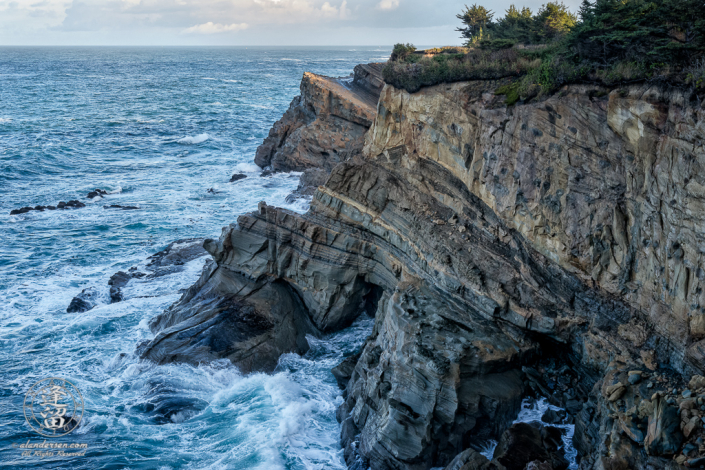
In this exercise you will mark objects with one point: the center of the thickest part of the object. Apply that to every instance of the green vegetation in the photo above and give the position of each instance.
(402, 52)
(609, 42)
(553, 21)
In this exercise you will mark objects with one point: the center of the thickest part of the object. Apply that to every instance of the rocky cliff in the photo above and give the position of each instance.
(325, 124)
(553, 247)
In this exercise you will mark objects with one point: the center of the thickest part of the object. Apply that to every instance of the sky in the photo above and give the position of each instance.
(237, 22)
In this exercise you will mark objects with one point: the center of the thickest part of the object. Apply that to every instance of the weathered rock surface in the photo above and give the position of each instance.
(523, 443)
(484, 237)
(83, 302)
(325, 125)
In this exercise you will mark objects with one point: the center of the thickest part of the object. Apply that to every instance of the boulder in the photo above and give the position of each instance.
(237, 177)
(468, 459)
(84, 301)
(552, 416)
(523, 443)
(664, 436)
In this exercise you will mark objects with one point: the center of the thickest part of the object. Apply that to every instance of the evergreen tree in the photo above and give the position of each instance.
(554, 20)
(476, 19)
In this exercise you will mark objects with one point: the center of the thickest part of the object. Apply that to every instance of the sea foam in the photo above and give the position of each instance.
(197, 139)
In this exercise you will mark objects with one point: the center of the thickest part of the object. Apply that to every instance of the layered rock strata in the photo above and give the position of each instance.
(324, 125)
(485, 238)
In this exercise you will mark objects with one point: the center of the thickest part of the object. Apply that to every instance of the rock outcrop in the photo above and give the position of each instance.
(326, 124)
(485, 239)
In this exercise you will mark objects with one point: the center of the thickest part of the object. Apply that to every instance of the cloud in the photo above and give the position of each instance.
(214, 28)
(216, 22)
(388, 4)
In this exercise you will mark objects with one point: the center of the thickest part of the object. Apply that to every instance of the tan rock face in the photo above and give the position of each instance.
(325, 125)
(609, 186)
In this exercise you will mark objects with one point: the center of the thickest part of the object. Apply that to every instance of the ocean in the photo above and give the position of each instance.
(160, 129)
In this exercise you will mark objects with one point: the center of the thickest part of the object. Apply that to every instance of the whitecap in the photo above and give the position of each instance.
(247, 167)
(5, 120)
(197, 139)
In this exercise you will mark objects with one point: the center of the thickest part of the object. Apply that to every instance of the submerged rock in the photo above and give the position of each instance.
(96, 193)
(83, 302)
(237, 177)
(73, 204)
(117, 206)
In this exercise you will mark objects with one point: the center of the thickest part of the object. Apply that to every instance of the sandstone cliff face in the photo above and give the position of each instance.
(325, 125)
(610, 188)
(485, 238)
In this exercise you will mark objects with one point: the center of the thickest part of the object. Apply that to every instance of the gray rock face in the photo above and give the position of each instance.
(251, 328)
(427, 385)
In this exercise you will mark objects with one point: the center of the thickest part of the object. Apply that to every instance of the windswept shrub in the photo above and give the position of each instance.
(476, 65)
(402, 51)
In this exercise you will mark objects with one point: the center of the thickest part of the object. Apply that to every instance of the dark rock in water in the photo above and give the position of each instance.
(252, 329)
(117, 206)
(96, 193)
(237, 177)
(83, 301)
(553, 417)
(62, 205)
(168, 261)
(664, 436)
(469, 459)
(23, 210)
(573, 407)
(177, 253)
(343, 371)
(117, 282)
(539, 465)
(115, 295)
(523, 443)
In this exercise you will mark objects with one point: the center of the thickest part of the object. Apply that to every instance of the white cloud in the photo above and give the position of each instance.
(330, 11)
(388, 4)
(214, 28)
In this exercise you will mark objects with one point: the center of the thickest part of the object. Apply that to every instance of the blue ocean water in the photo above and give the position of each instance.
(156, 128)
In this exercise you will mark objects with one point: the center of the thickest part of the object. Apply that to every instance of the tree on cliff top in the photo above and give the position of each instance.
(476, 19)
(640, 31)
(553, 21)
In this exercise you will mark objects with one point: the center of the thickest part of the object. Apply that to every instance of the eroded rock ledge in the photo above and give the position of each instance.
(486, 239)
